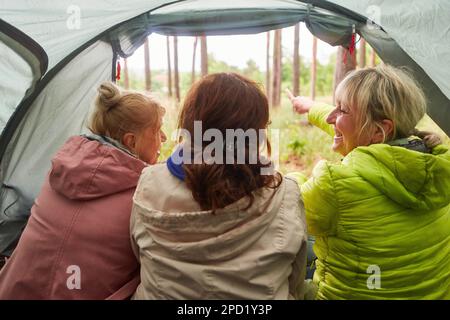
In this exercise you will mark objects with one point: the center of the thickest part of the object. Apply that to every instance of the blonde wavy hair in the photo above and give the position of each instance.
(120, 111)
(384, 92)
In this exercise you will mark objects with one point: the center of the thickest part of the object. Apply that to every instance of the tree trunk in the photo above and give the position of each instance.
(268, 91)
(175, 67)
(362, 53)
(204, 56)
(193, 60)
(169, 69)
(373, 58)
(343, 67)
(126, 79)
(148, 81)
(314, 68)
(276, 89)
(296, 73)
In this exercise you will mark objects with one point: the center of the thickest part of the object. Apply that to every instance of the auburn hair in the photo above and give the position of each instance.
(224, 101)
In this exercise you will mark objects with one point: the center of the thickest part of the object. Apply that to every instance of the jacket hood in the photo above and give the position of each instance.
(413, 179)
(196, 235)
(85, 169)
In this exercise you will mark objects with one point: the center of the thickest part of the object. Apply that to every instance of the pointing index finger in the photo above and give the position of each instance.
(289, 93)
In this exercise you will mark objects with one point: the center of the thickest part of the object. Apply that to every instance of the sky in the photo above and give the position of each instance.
(234, 50)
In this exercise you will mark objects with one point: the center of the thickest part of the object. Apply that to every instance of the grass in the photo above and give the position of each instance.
(300, 145)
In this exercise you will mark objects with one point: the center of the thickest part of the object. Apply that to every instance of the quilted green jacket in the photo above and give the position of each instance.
(381, 219)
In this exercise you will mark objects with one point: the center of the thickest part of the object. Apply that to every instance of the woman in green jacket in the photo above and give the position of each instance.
(381, 217)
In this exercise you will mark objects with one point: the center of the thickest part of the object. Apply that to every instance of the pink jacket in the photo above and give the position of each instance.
(76, 244)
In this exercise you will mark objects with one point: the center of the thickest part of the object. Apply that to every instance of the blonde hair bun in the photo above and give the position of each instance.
(118, 111)
(108, 96)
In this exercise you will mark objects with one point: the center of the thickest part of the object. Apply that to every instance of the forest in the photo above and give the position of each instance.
(299, 146)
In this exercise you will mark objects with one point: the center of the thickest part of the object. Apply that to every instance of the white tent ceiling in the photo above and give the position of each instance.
(421, 29)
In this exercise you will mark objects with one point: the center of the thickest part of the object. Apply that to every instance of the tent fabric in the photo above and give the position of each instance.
(418, 39)
(438, 107)
(79, 59)
(23, 62)
(17, 77)
(205, 17)
(221, 18)
(421, 29)
(335, 30)
(218, 18)
(52, 118)
(53, 23)
(129, 36)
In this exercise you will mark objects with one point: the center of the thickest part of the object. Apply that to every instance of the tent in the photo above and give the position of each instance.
(55, 53)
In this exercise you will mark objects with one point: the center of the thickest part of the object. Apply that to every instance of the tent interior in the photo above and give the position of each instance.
(51, 64)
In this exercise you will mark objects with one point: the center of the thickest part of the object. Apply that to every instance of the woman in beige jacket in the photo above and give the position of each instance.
(216, 221)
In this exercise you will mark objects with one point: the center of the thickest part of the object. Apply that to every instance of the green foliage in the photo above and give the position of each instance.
(297, 146)
(186, 82)
(252, 71)
(215, 66)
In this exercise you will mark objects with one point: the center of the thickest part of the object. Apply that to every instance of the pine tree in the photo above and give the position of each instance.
(276, 89)
(169, 68)
(193, 60)
(362, 53)
(373, 58)
(148, 81)
(126, 79)
(268, 84)
(204, 56)
(296, 63)
(345, 62)
(314, 68)
(175, 67)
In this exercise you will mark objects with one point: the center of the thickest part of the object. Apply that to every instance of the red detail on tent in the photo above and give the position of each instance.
(118, 71)
(351, 46)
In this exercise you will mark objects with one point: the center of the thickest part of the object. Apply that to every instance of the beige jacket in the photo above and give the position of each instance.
(186, 253)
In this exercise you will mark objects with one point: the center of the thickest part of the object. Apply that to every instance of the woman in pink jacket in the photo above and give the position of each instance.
(77, 241)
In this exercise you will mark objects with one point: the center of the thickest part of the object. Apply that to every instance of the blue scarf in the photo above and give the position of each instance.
(176, 168)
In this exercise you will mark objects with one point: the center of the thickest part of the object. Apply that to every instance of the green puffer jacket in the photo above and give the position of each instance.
(383, 209)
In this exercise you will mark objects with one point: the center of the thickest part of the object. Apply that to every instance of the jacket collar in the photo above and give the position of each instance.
(107, 141)
(410, 144)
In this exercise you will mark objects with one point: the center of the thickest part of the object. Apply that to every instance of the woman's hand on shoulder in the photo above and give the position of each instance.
(430, 139)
